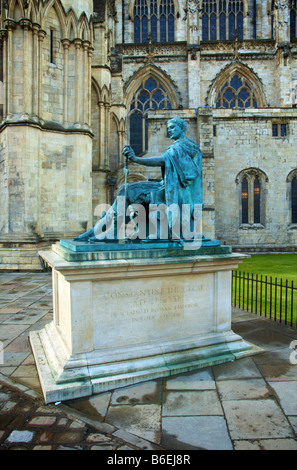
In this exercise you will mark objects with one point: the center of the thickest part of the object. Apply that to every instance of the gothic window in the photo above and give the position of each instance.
(237, 92)
(244, 201)
(154, 20)
(292, 197)
(293, 18)
(272, 19)
(1, 83)
(222, 19)
(253, 16)
(150, 95)
(250, 200)
(257, 199)
(294, 200)
(252, 182)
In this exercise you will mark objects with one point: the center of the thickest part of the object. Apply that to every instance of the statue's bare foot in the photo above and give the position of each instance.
(85, 236)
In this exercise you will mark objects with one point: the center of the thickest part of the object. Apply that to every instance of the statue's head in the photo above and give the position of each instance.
(176, 128)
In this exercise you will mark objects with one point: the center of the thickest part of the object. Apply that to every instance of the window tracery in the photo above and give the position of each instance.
(222, 19)
(154, 20)
(150, 95)
(237, 92)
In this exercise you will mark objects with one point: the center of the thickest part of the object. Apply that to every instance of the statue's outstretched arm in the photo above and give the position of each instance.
(152, 161)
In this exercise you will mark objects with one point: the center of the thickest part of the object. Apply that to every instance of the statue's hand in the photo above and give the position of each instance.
(129, 153)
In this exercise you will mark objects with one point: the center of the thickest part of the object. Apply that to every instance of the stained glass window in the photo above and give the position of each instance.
(244, 201)
(154, 20)
(294, 200)
(257, 191)
(150, 95)
(293, 18)
(236, 93)
(272, 19)
(136, 132)
(251, 197)
(222, 19)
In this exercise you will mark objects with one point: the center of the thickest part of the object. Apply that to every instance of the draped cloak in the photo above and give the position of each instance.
(181, 179)
(182, 173)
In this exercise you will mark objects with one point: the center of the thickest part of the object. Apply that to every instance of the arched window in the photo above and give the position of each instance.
(154, 20)
(237, 92)
(257, 200)
(222, 19)
(292, 196)
(244, 201)
(294, 200)
(293, 18)
(252, 183)
(272, 19)
(150, 95)
(1, 84)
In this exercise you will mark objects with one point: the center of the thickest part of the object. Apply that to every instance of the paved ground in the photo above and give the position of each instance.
(249, 404)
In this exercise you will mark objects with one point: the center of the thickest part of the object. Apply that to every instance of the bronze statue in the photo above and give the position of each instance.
(180, 186)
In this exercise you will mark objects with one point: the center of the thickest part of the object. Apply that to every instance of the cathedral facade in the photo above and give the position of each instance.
(81, 80)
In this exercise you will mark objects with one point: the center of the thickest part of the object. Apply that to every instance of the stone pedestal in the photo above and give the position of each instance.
(122, 321)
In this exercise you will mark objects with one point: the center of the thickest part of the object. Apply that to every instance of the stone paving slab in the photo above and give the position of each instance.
(287, 395)
(143, 421)
(144, 393)
(266, 444)
(235, 370)
(243, 389)
(256, 419)
(195, 433)
(249, 404)
(191, 403)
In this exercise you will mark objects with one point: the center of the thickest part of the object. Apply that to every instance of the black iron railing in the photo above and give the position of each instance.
(266, 296)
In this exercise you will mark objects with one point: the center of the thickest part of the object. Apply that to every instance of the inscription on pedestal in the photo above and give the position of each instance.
(146, 305)
(144, 311)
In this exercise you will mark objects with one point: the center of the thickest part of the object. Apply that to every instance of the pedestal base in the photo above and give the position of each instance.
(65, 377)
(120, 322)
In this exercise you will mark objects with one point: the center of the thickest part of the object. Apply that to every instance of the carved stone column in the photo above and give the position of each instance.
(90, 53)
(282, 36)
(10, 26)
(101, 134)
(35, 69)
(3, 35)
(78, 66)
(107, 135)
(27, 68)
(66, 45)
(282, 20)
(85, 82)
(41, 36)
(194, 32)
(121, 142)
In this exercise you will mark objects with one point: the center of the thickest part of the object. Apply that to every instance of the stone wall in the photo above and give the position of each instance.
(244, 141)
(70, 72)
(45, 135)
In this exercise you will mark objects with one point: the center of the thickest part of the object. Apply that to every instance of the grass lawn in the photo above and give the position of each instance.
(265, 292)
(280, 266)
